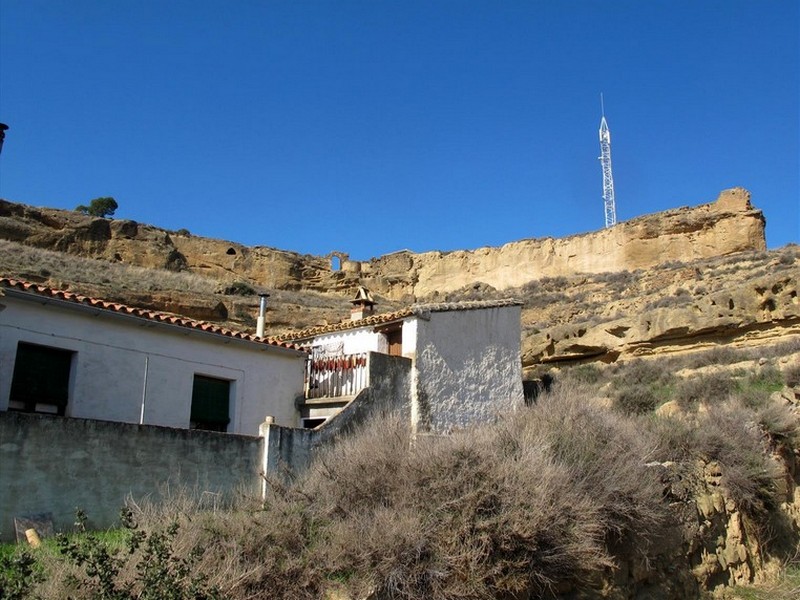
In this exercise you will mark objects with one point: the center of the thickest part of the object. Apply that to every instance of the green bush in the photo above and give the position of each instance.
(99, 207)
(19, 573)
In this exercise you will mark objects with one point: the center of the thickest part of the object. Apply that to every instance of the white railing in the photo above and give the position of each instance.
(334, 375)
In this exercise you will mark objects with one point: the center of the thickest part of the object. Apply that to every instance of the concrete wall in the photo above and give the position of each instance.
(55, 464)
(468, 368)
(113, 352)
(292, 449)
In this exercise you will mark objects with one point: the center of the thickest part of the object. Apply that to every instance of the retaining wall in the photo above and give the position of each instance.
(55, 464)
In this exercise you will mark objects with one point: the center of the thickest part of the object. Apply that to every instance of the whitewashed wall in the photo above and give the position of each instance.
(467, 367)
(353, 342)
(109, 370)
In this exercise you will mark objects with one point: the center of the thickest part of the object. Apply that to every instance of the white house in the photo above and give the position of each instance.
(466, 363)
(66, 354)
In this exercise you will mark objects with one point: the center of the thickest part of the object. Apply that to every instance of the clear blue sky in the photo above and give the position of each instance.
(371, 126)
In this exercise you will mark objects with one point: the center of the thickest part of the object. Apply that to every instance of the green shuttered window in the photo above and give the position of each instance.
(210, 403)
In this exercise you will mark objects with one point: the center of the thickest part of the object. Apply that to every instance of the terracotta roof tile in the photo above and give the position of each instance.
(419, 310)
(143, 313)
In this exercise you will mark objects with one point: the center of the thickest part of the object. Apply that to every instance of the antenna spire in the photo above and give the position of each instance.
(605, 163)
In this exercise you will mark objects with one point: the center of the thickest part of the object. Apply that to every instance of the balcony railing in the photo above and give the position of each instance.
(335, 375)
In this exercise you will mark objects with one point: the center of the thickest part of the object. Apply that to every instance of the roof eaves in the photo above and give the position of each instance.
(36, 290)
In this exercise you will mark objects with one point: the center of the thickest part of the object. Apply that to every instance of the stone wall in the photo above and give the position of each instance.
(54, 464)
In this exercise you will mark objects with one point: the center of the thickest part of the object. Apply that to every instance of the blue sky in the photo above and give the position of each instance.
(373, 126)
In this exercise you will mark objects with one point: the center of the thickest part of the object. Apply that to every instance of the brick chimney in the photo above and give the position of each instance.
(363, 304)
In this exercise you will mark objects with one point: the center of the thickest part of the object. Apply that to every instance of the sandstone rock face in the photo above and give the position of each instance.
(726, 226)
(763, 309)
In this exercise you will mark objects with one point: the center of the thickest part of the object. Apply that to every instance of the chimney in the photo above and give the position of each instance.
(262, 309)
(363, 304)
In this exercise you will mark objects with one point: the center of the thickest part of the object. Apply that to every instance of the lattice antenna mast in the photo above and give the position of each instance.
(605, 162)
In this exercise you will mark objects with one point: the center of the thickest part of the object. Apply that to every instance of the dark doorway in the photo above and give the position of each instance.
(41, 379)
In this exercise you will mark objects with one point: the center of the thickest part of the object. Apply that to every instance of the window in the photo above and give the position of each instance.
(41, 379)
(210, 403)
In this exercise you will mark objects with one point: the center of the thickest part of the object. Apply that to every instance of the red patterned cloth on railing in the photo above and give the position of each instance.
(331, 376)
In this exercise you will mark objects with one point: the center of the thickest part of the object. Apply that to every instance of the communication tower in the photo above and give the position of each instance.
(605, 162)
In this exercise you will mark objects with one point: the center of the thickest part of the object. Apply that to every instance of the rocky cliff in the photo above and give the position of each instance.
(669, 282)
(728, 225)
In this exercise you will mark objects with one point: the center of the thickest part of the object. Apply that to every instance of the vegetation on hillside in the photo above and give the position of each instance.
(99, 207)
(543, 501)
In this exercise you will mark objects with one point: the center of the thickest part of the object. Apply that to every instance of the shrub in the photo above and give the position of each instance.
(754, 389)
(641, 372)
(637, 399)
(780, 423)
(240, 288)
(729, 434)
(99, 207)
(18, 575)
(791, 375)
(582, 374)
(710, 387)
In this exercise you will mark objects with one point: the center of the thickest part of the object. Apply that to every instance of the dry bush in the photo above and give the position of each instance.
(791, 375)
(636, 400)
(640, 386)
(525, 505)
(641, 372)
(536, 502)
(734, 436)
(708, 387)
(588, 374)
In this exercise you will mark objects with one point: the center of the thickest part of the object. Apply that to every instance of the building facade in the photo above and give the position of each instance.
(69, 355)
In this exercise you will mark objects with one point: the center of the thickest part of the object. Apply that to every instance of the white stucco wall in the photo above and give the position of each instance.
(354, 341)
(108, 370)
(467, 367)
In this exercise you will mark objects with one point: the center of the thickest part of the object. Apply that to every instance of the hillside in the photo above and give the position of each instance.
(666, 283)
(669, 478)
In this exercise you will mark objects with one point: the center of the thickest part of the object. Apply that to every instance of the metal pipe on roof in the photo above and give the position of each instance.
(262, 309)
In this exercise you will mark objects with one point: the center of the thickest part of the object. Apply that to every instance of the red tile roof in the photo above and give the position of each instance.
(142, 313)
(419, 310)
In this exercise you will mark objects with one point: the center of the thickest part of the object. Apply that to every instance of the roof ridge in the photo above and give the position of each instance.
(414, 309)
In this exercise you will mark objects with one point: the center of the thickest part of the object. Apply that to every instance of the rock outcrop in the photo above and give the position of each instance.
(759, 310)
(728, 225)
(668, 282)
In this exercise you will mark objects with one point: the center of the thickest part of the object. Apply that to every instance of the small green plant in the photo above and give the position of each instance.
(19, 572)
(161, 573)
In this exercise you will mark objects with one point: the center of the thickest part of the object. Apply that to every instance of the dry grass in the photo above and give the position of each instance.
(526, 505)
(39, 264)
